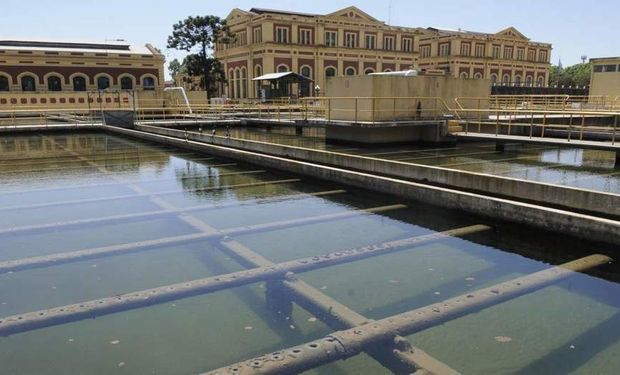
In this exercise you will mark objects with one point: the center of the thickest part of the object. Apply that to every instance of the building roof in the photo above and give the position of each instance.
(282, 75)
(114, 46)
(277, 11)
(602, 59)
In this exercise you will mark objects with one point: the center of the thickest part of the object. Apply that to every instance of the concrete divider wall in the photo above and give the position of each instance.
(547, 194)
(565, 222)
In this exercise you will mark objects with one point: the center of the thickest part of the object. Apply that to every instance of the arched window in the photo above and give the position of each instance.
(126, 83)
(541, 81)
(103, 83)
(464, 75)
(478, 75)
(306, 71)
(493, 78)
(28, 83)
(506, 79)
(148, 83)
(54, 83)
(283, 69)
(330, 72)
(237, 83)
(387, 70)
(244, 83)
(4, 83)
(528, 81)
(79, 83)
(258, 71)
(517, 80)
(231, 83)
(369, 71)
(349, 71)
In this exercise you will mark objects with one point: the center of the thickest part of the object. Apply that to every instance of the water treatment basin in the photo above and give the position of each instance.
(72, 194)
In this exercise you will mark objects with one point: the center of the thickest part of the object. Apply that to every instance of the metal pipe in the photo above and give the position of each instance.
(169, 192)
(348, 343)
(99, 252)
(127, 301)
(156, 213)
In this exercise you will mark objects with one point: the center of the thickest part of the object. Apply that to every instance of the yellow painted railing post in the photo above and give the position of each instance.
(542, 134)
(583, 125)
(532, 124)
(613, 136)
(373, 109)
(394, 109)
(570, 126)
(356, 107)
(496, 122)
(329, 109)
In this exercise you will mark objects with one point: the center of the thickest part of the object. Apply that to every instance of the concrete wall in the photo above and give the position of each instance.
(606, 83)
(418, 97)
(559, 196)
(564, 222)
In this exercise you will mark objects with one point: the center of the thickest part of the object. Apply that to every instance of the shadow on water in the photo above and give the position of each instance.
(565, 359)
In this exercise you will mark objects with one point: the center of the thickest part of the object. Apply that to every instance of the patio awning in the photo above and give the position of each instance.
(288, 76)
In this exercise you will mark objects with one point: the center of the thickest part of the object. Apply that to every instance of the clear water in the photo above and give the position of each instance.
(572, 326)
(585, 169)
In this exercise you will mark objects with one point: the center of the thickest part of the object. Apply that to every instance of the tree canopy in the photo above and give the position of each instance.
(575, 75)
(198, 35)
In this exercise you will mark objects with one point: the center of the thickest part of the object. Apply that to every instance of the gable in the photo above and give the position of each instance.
(236, 13)
(511, 32)
(353, 13)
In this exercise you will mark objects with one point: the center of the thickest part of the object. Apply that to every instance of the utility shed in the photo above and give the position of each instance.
(283, 84)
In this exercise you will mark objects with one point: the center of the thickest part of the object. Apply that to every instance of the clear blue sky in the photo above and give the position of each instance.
(574, 27)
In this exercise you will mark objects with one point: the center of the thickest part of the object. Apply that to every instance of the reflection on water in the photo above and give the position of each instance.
(587, 169)
(572, 326)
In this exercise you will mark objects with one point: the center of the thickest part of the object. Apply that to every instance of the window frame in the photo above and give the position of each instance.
(282, 34)
(331, 38)
(373, 39)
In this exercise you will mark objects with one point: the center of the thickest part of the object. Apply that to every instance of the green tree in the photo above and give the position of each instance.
(193, 66)
(174, 68)
(200, 34)
(575, 75)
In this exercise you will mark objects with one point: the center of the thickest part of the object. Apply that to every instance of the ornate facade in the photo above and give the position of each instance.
(45, 66)
(351, 42)
(507, 57)
(346, 42)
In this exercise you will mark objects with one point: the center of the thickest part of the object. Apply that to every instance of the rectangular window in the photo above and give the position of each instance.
(508, 51)
(496, 50)
(282, 35)
(542, 56)
(350, 40)
(257, 35)
(531, 55)
(407, 45)
(305, 36)
(425, 51)
(388, 43)
(606, 68)
(242, 39)
(480, 50)
(465, 49)
(444, 49)
(520, 54)
(331, 38)
(371, 41)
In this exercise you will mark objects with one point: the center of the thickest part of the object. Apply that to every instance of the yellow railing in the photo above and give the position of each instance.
(546, 102)
(541, 123)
